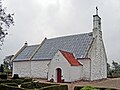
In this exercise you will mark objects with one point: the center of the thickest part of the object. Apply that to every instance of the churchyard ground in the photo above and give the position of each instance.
(107, 83)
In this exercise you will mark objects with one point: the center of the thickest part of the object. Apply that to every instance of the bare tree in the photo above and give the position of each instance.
(5, 22)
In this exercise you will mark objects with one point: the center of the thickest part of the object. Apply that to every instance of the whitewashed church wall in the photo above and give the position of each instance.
(76, 73)
(21, 68)
(104, 61)
(86, 68)
(95, 62)
(98, 61)
(59, 61)
(39, 69)
(33, 69)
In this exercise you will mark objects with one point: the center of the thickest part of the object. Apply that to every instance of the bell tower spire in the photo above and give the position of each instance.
(96, 10)
(96, 20)
(96, 24)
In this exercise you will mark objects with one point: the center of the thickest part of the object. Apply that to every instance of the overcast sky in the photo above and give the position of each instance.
(37, 19)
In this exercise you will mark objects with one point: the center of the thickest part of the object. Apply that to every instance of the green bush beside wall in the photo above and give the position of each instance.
(98, 88)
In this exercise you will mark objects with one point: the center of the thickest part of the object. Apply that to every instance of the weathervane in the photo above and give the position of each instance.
(96, 10)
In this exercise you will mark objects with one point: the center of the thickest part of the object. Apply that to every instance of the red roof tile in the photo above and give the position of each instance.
(70, 58)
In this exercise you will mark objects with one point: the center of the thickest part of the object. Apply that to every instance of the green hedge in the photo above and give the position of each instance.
(78, 87)
(27, 80)
(28, 85)
(7, 87)
(55, 87)
(97, 88)
(31, 85)
(15, 76)
(89, 88)
(3, 76)
(18, 81)
(39, 84)
(11, 84)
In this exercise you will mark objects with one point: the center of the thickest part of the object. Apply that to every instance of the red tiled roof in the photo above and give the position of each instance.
(70, 58)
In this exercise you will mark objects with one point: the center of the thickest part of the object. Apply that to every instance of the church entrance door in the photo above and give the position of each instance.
(59, 73)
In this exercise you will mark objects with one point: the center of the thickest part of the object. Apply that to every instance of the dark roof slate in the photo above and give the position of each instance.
(26, 53)
(77, 44)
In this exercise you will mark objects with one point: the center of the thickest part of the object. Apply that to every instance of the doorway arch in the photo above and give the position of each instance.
(59, 74)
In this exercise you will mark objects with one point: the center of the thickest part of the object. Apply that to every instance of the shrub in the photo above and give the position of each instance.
(115, 75)
(15, 76)
(5, 81)
(7, 87)
(51, 80)
(39, 85)
(2, 68)
(11, 84)
(18, 81)
(55, 87)
(28, 85)
(26, 80)
(78, 87)
(92, 88)
(3, 76)
(89, 88)
(31, 85)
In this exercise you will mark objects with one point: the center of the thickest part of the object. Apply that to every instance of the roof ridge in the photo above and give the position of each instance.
(33, 45)
(68, 36)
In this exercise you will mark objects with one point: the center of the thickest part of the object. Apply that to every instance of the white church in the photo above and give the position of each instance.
(67, 58)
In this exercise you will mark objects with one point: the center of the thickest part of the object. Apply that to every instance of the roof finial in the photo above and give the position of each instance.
(26, 43)
(96, 10)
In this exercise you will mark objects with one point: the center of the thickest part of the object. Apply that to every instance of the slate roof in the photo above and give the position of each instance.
(70, 58)
(77, 44)
(26, 53)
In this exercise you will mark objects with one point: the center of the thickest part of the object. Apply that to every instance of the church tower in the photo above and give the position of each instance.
(97, 25)
(97, 53)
